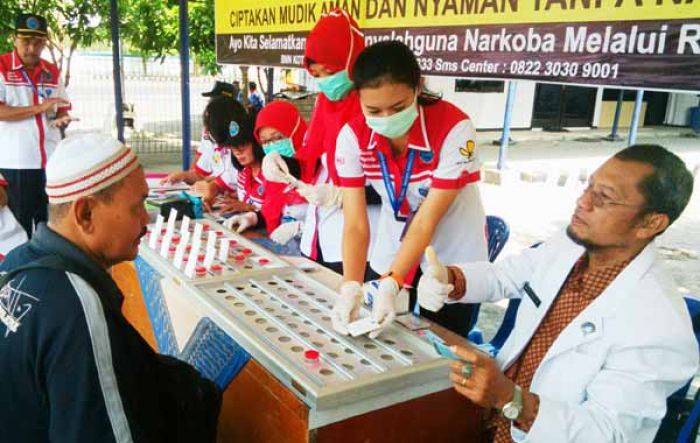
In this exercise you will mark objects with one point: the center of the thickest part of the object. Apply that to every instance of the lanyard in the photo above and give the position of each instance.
(393, 199)
(29, 80)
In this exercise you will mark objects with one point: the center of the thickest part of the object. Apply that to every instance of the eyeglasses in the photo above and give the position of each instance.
(601, 201)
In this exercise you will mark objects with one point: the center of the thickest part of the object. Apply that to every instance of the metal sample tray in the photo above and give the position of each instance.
(278, 312)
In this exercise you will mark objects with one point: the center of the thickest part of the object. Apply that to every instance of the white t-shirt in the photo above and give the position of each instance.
(326, 224)
(28, 143)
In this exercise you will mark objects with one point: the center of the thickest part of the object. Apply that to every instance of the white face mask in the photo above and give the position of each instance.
(395, 125)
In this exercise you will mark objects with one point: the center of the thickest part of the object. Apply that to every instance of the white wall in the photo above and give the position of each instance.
(598, 107)
(678, 108)
(487, 109)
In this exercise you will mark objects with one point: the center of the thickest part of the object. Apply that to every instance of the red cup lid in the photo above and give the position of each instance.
(200, 257)
(232, 242)
(240, 257)
(247, 251)
(219, 233)
(163, 231)
(172, 249)
(263, 261)
(205, 227)
(188, 248)
(311, 354)
(216, 267)
(200, 270)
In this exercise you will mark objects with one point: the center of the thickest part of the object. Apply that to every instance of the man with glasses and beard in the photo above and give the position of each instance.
(602, 337)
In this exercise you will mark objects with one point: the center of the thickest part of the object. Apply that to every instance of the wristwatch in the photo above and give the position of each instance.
(513, 408)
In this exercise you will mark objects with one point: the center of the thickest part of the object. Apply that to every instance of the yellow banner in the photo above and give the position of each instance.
(270, 16)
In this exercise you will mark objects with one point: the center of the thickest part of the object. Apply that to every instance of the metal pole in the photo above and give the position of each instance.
(616, 120)
(185, 85)
(269, 73)
(635, 118)
(116, 69)
(505, 137)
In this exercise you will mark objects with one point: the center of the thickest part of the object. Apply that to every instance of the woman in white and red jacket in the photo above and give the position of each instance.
(418, 152)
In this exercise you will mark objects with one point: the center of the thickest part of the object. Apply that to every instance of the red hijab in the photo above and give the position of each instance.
(284, 117)
(335, 42)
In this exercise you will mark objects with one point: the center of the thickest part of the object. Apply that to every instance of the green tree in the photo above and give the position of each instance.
(148, 27)
(202, 35)
(151, 28)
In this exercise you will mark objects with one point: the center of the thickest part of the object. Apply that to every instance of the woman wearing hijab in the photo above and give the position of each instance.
(280, 129)
(331, 49)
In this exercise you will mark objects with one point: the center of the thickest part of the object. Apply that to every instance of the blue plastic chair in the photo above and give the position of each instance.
(497, 232)
(683, 415)
(689, 431)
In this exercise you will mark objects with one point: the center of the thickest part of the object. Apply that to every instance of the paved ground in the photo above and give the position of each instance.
(534, 211)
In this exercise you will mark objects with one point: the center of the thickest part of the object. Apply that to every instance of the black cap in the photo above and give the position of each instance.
(219, 89)
(31, 24)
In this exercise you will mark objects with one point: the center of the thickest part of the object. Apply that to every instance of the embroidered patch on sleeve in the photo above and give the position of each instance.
(468, 149)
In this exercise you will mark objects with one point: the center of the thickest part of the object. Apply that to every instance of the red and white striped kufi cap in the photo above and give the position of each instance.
(84, 164)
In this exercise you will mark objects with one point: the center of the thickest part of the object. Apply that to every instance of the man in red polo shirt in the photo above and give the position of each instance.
(33, 109)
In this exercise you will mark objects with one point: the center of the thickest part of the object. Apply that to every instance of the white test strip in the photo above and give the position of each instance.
(211, 240)
(172, 218)
(191, 263)
(184, 225)
(197, 236)
(209, 257)
(223, 249)
(153, 240)
(210, 250)
(362, 326)
(165, 245)
(180, 251)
